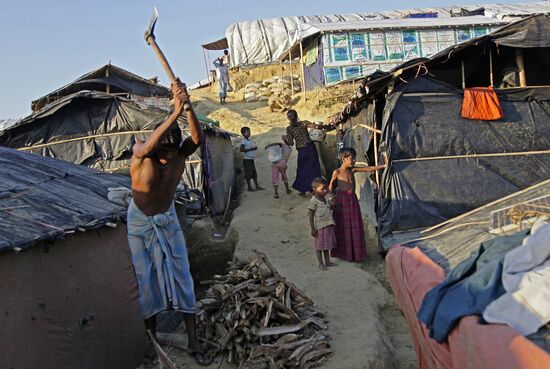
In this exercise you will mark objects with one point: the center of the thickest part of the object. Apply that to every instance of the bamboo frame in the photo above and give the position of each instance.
(462, 216)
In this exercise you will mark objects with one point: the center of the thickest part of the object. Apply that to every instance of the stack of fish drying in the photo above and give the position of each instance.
(258, 320)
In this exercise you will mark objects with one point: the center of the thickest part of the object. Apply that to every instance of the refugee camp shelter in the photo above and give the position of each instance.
(441, 162)
(69, 297)
(109, 79)
(335, 48)
(98, 130)
(423, 260)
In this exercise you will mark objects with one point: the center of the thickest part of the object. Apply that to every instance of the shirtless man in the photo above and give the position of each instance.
(156, 240)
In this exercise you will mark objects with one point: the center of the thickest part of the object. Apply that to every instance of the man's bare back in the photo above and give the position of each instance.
(156, 167)
(154, 183)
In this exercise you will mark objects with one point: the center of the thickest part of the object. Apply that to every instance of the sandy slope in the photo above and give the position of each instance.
(349, 293)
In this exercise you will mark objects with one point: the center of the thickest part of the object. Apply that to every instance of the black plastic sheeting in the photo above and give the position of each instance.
(98, 130)
(527, 33)
(42, 198)
(422, 119)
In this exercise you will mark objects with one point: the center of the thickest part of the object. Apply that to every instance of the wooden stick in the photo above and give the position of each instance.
(226, 211)
(163, 358)
(543, 183)
(445, 231)
(493, 155)
(375, 130)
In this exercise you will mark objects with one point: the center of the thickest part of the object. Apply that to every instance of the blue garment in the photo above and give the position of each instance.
(469, 288)
(160, 262)
(308, 168)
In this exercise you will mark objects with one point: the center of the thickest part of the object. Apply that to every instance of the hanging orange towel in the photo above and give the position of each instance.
(481, 103)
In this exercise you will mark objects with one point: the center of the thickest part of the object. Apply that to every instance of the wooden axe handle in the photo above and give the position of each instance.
(167, 68)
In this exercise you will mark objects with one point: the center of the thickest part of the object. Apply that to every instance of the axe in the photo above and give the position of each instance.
(150, 39)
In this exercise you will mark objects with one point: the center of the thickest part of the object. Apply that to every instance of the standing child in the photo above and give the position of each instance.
(350, 237)
(279, 167)
(249, 149)
(322, 223)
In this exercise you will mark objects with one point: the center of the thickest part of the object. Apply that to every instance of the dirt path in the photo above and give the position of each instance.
(359, 307)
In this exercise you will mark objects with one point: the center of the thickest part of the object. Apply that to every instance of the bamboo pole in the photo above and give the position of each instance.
(376, 174)
(107, 86)
(463, 75)
(473, 156)
(491, 66)
(206, 64)
(521, 68)
(291, 79)
(303, 71)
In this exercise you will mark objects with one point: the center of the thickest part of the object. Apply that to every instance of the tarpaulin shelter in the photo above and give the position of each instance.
(439, 163)
(69, 297)
(109, 79)
(98, 130)
(423, 260)
(339, 47)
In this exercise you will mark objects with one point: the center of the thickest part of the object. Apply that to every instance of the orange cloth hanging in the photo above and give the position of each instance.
(481, 103)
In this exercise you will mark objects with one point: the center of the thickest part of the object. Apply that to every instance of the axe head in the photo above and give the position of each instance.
(149, 32)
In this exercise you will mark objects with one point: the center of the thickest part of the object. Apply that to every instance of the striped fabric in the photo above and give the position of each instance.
(350, 237)
(160, 262)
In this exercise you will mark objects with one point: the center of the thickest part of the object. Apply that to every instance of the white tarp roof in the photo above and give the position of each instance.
(408, 23)
(266, 41)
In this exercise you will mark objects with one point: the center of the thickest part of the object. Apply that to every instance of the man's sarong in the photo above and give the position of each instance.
(350, 237)
(160, 262)
(308, 168)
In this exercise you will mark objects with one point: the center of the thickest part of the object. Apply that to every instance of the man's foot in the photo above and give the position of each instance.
(259, 188)
(322, 267)
(201, 354)
(251, 189)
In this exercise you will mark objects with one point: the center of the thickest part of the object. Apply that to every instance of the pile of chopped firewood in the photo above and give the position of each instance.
(255, 318)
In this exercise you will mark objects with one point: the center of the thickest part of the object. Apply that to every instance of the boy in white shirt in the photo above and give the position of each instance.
(249, 150)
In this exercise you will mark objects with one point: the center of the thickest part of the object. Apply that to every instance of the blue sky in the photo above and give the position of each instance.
(48, 44)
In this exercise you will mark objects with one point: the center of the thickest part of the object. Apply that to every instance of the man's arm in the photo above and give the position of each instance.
(192, 142)
(144, 149)
(242, 149)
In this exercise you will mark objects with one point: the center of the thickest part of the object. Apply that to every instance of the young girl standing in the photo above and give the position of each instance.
(350, 237)
(322, 223)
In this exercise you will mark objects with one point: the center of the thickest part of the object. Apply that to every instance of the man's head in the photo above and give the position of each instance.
(245, 131)
(172, 140)
(225, 52)
(292, 116)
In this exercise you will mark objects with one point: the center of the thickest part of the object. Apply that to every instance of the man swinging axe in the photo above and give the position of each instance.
(156, 240)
